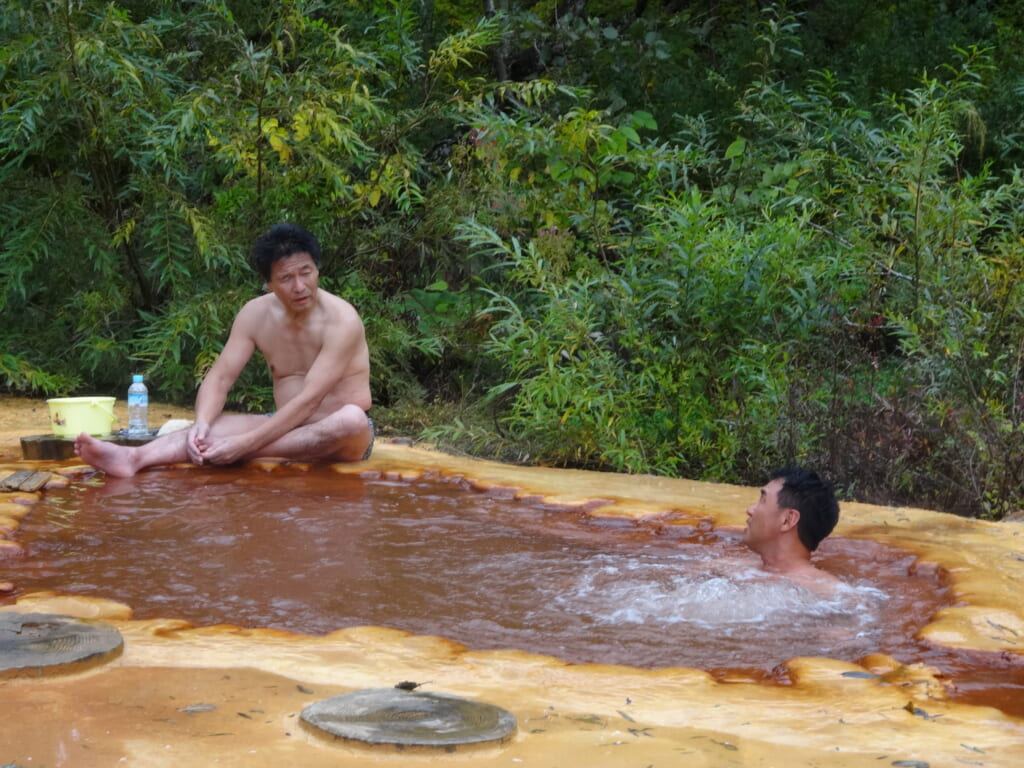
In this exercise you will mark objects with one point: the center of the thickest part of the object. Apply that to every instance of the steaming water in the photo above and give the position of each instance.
(314, 552)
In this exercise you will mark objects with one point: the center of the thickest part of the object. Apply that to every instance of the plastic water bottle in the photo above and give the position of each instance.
(138, 407)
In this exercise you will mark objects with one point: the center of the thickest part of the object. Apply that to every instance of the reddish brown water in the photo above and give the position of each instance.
(315, 551)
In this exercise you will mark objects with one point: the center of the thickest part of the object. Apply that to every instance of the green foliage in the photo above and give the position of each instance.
(829, 286)
(678, 359)
(139, 174)
(700, 241)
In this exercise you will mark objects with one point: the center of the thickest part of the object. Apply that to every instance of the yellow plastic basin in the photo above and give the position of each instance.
(71, 415)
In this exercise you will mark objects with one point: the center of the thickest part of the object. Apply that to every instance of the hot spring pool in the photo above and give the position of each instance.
(654, 576)
(315, 551)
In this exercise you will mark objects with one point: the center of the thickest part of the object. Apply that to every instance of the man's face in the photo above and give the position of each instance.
(293, 280)
(766, 521)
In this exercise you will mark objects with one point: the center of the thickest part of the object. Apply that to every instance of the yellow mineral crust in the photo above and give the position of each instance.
(184, 696)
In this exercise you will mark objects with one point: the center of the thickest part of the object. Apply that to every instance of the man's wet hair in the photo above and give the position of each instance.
(281, 241)
(815, 500)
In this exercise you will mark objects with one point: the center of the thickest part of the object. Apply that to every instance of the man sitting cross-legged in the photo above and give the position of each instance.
(316, 350)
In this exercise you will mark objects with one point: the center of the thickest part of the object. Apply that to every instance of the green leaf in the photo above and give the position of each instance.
(736, 149)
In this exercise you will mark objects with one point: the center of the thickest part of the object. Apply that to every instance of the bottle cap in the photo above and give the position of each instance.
(136, 378)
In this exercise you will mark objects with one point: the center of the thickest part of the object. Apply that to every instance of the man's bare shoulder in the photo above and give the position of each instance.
(816, 580)
(259, 304)
(336, 304)
(256, 311)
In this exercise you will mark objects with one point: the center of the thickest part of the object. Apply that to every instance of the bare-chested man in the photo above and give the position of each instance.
(315, 347)
(795, 511)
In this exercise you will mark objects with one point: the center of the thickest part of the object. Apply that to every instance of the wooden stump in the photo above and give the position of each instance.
(25, 480)
(53, 448)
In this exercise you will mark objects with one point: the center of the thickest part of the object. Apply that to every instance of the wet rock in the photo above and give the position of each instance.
(410, 719)
(36, 644)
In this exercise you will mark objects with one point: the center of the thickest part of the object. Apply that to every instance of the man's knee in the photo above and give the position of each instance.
(349, 433)
(354, 420)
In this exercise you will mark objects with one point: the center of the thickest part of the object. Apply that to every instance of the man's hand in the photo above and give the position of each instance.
(227, 450)
(197, 442)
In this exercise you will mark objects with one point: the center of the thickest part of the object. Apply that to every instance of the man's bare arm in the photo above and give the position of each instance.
(226, 369)
(217, 383)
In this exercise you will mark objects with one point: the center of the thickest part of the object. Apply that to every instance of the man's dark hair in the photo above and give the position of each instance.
(813, 498)
(282, 241)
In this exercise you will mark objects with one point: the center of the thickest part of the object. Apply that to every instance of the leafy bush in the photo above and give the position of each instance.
(688, 249)
(829, 287)
(140, 162)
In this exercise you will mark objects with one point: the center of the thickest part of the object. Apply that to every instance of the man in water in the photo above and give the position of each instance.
(315, 348)
(795, 511)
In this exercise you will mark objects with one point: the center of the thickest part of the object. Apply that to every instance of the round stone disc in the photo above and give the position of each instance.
(410, 718)
(45, 643)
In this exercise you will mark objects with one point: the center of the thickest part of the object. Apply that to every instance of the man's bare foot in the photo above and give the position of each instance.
(115, 460)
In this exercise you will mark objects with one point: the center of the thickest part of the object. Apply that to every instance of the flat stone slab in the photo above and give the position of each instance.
(410, 719)
(36, 644)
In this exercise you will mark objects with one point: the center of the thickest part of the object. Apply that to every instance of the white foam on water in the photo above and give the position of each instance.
(711, 594)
